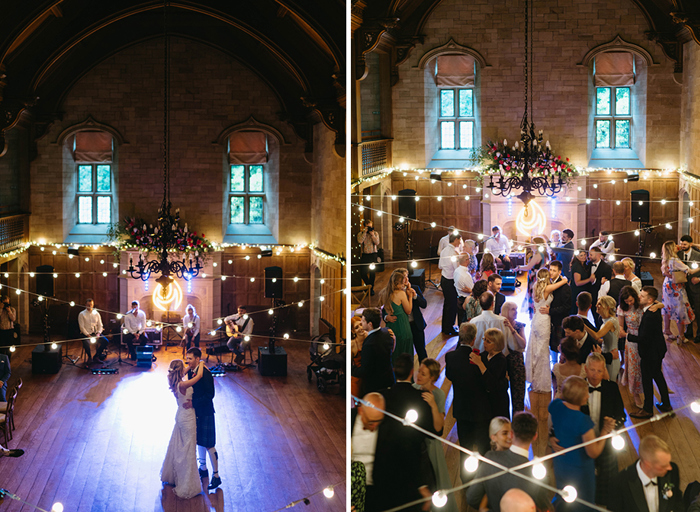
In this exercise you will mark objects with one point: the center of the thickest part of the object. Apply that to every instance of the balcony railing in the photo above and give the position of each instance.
(14, 231)
(376, 156)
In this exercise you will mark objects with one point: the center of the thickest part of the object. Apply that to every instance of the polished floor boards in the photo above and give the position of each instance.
(681, 368)
(97, 442)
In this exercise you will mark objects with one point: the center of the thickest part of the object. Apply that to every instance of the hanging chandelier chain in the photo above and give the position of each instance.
(166, 79)
(525, 69)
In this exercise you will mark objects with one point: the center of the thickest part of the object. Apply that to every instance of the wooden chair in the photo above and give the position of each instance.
(7, 418)
(360, 294)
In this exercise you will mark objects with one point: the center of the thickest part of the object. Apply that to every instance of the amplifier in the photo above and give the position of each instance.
(144, 356)
(647, 279)
(46, 360)
(508, 280)
(417, 277)
(272, 365)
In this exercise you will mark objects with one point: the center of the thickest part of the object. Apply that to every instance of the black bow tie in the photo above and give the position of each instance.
(651, 482)
(591, 390)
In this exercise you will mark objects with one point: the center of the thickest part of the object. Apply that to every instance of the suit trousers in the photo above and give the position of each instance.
(694, 300)
(516, 376)
(472, 433)
(651, 371)
(449, 306)
(419, 340)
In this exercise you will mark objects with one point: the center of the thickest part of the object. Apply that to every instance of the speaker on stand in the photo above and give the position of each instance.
(44, 280)
(272, 360)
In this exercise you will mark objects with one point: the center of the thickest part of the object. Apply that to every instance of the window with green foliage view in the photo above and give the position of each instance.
(613, 117)
(94, 194)
(246, 198)
(456, 118)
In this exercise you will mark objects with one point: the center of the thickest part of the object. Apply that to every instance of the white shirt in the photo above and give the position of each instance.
(446, 264)
(651, 492)
(196, 321)
(607, 247)
(498, 247)
(520, 451)
(445, 241)
(486, 320)
(463, 279)
(605, 287)
(135, 323)
(90, 322)
(364, 444)
(594, 408)
(239, 321)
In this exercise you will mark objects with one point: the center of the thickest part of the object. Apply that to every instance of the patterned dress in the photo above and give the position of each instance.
(675, 299)
(632, 377)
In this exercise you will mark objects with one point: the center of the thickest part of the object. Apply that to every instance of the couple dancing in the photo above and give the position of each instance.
(194, 425)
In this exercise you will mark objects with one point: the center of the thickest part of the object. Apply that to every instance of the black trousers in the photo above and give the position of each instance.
(461, 314)
(7, 339)
(419, 341)
(449, 306)
(694, 300)
(472, 433)
(366, 274)
(99, 349)
(131, 339)
(651, 372)
(506, 264)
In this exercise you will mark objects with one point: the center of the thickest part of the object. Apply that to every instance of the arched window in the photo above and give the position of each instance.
(614, 77)
(456, 113)
(93, 155)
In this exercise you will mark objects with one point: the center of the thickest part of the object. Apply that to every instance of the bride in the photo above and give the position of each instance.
(180, 464)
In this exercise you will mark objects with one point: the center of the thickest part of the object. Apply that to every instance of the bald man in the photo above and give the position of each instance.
(517, 500)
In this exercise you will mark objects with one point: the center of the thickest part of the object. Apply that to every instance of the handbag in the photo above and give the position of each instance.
(679, 277)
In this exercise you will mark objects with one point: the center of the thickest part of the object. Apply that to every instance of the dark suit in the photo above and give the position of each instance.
(399, 464)
(558, 310)
(629, 495)
(418, 324)
(603, 271)
(203, 393)
(652, 349)
(693, 290)
(495, 488)
(564, 254)
(471, 406)
(500, 300)
(616, 286)
(606, 464)
(5, 373)
(587, 348)
(375, 368)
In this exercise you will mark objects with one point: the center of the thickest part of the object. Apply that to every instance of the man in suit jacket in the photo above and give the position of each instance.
(400, 471)
(494, 286)
(375, 364)
(604, 401)
(651, 484)
(565, 252)
(574, 328)
(471, 407)
(688, 255)
(559, 309)
(5, 372)
(652, 349)
(601, 269)
(416, 320)
(524, 428)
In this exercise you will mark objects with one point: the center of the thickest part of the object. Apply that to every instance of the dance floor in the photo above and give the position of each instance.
(97, 442)
(681, 369)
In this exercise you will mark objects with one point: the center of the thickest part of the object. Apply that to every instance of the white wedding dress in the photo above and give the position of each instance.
(180, 464)
(539, 373)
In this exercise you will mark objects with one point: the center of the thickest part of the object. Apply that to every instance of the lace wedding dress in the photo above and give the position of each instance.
(539, 373)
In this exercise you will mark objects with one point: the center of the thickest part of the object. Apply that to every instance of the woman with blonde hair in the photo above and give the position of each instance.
(630, 276)
(536, 259)
(537, 366)
(609, 333)
(180, 464)
(398, 302)
(516, 341)
(675, 299)
(501, 434)
(494, 368)
(471, 249)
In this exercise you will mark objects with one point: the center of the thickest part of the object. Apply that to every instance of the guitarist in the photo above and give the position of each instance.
(191, 323)
(237, 328)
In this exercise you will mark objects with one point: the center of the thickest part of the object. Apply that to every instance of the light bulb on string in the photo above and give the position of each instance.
(72, 303)
(668, 226)
(18, 292)
(652, 255)
(219, 321)
(611, 257)
(301, 303)
(569, 494)
(57, 507)
(577, 252)
(414, 264)
(93, 340)
(411, 416)
(286, 336)
(54, 346)
(328, 492)
(252, 279)
(31, 274)
(402, 219)
(433, 224)
(119, 316)
(471, 464)
(439, 499)
(583, 242)
(695, 406)
(636, 232)
(618, 442)
(588, 201)
(539, 471)
(480, 236)
(12, 348)
(178, 329)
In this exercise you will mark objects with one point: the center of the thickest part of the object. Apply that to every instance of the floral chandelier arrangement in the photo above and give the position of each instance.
(135, 233)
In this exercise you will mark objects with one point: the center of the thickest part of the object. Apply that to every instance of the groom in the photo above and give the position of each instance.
(202, 401)
(559, 309)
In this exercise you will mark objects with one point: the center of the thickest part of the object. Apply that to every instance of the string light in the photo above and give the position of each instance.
(539, 471)
(618, 442)
(569, 494)
(439, 499)
(471, 464)
(328, 492)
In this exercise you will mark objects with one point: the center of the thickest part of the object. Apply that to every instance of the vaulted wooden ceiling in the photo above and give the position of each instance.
(296, 46)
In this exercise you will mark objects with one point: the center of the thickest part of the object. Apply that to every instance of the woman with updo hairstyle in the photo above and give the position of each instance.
(630, 275)
(428, 374)
(180, 464)
(536, 259)
(472, 306)
(570, 366)
(675, 299)
(608, 333)
(501, 434)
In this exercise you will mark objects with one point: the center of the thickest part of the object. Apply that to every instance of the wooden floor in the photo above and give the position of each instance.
(97, 442)
(681, 368)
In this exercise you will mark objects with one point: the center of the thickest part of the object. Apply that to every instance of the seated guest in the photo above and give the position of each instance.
(239, 326)
(500, 433)
(135, 326)
(471, 407)
(516, 500)
(570, 366)
(472, 307)
(375, 365)
(651, 484)
(90, 323)
(499, 246)
(524, 433)
(493, 367)
(5, 372)
(487, 319)
(571, 427)
(191, 323)
(515, 340)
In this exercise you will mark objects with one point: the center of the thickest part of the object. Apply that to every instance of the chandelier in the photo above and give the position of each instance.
(167, 224)
(528, 165)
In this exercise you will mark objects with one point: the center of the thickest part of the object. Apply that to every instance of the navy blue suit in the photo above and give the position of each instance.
(4, 376)
(418, 324)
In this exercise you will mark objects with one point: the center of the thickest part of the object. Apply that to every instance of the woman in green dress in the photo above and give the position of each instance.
(398, 303)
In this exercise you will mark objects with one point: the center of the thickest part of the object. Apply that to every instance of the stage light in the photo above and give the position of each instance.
(618, 442)
(439, 499)
(471, 464)
(539, 471)
(411, 416)
(569, 494)
(328, 492)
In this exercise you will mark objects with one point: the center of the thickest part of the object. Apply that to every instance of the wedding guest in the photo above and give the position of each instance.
(448, 264)
(415, 319)
(515, 340)
(500, 433)
(558, 309)
(584, 301)
(581, 275)
(471, 248)
(515, 500)
(602, 272)
(554, 238)
(499, 246)
(564, 252)
(608, 333)
(135, 326)
(472, 306)
(398, 303)
(675, 299)
(5, 373)
(8, 317)
(358, 336)
(636, 283)
(487, 266)
(576, 329)
(463, 284)
(487, 319)
(445, 240)
(493, 367)
(368, 238)
(618, 282)
(629, 315)
(537, 259)
(569, 366)
(605, 243)
(689, 255)
(364, 425)
(375, 368)
(495, 281)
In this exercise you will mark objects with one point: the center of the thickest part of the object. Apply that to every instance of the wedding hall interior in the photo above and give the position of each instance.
(173, 153)
(599, 101)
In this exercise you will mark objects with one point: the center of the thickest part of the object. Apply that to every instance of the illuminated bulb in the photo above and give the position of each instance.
(641, 203)
(326, 346)
(411, 416)
(471, 464)
(323, 281)
(478, 189)
(414, 264)
(486, 196)
(40, 298)
(219, 321)
(694, 265)
(663, 201)
(274, 279)
(7, 275)
(466, 198)
(203, 275)
(611, 257)
(618, 442)
(653, 255)
(247, 258)
(695, 406)
(178, 329)
(612, 182)
(158, 328)
(252, 279)
(149, 323)
(580, 189)
(668, 226)
(569, 494)
(690, 204)
(247, 338)
(321, 298)
(610, 237)
(361, 208)
(115, 265)
(401, 219)
(480, 236)
(577, 252)
(102, 262)
(31, 274)
(230, 261)
(296, 279)
(87, 259)
(245, 316)
(18, 292)
(104, 274)
(453, 259)
(568, 198)
(301, 303)
(464, 186)
(212, 333)
(583, 242)
(367, 198)
(439, 499)
(53, 252)
(270, 312)
(328, 492)
(72, 303)
(432, 224)
(286, 336)
(520, 248)
(449, 183)
(70, 256)
(539, 471)
(125, 331)
(12, 348)
(595, 185)
(379, 214)
(124, 272)
(57, 507)
(417, 197)
(541, 248)
(119, 316)
(636, 232)
(92, 340)
(42, 249)
(189, 325)
(215, 264)
(588, 201)
(393, 198)
(54, 346)
(690, 219)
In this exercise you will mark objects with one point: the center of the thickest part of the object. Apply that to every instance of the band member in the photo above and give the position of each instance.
(90, 323)
(238, 327)
(191, 323)
(135, 326)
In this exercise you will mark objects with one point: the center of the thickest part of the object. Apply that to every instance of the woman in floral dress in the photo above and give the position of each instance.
(676, 305)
